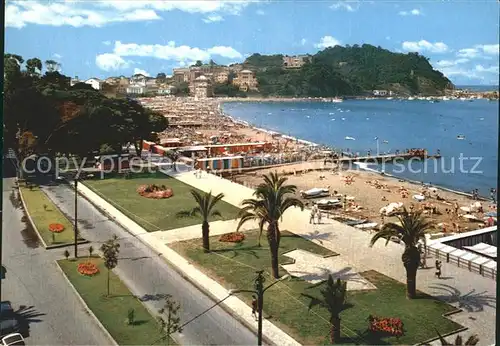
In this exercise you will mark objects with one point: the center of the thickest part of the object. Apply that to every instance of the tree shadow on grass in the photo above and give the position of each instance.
(139, 322)
(316, 235)
(153, 297)
(343, 274)
(370, 338)
(240, 249)
(471, 302)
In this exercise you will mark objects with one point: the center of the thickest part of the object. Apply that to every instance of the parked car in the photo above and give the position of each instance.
(8, 321)
(14, 339)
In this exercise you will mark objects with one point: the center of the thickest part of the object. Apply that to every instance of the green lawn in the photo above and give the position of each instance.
(153, 214)
(35, 200)
(234, 266)
(112, 311)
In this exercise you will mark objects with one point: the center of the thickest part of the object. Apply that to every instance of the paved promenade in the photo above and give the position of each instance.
(459, 287)
(475, 294)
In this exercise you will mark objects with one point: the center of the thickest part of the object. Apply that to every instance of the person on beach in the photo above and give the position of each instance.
(455, 206)
(319, 217)
(254, 307)
(493, 193)
(311, 217)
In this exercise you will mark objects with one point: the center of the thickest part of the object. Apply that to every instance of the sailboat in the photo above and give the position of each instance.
(347, 138)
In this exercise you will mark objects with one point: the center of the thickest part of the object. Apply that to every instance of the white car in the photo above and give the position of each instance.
(14, 339)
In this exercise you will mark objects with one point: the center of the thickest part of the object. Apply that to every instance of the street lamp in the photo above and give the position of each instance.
(378, 146)
(259, 291)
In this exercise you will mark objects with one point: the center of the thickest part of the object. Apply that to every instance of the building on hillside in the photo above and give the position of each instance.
(95, 83)
(201, 87)
(74, 81)
(138, 79)
(135, 89)
(181, 75)
(166, 90)
(122, 85)
(296, 61)
(382, 93)
(246, 80)
(221, 77)
(151, 85)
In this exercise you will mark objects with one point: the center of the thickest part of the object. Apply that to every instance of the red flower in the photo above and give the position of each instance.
(56, 227)
(391, 326)
(88, 269)
(234, 237)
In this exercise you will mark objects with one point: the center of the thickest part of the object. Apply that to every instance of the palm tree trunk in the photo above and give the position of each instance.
(205, 230)
(334, 330)
(273, 247)
(411, 282)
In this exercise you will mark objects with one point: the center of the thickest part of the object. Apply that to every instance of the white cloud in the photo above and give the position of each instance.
(423, 45)
(414, 12)
(303, 41)
(491, 69)
(479, 51)
(170, 51)
(350, 6)
(57, 56)
(327, 41)
(109, 62)
(491, 49)
(449, 63)
(98, 13)
(213, 18)
(139, 71)
(106, 43)
(260, 12)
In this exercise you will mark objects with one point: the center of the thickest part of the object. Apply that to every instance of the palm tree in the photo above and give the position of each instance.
(334, 299)
(206, 203)
(267, 208)
(473, 340)
(411, 228)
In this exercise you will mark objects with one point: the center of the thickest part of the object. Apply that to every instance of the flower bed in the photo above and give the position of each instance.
(88, 269)
(234, 237)
(388, 325)
(155, 191)
(56, 227)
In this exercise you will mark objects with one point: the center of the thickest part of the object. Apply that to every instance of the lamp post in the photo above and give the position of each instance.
(378, 146)
(259, 291)
(76, 216)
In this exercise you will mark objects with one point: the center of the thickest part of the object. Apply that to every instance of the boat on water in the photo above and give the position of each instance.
(411, 98)
(347, 138)
(445, 98)
(460, 137)
(389, 98)
(336, 100)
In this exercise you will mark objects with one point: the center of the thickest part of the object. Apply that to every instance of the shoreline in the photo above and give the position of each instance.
(319, 145)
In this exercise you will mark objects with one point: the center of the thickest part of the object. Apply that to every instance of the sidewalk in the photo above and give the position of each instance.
(155, 241)
(461, 288)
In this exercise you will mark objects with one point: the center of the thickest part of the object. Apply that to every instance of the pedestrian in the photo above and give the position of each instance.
(311, 217)
(319, 217)
(254, 307)
(438, 269)
(456, 208)
(493, 196)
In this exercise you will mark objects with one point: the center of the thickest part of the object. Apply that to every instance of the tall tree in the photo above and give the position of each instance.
(334, 299)
(205, 207)
(52, 65)
(110, 250)
(411, 228)
(270, 203)
(34, 67)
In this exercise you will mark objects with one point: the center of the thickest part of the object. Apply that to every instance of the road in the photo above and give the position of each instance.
(37, 290)
(148, 275)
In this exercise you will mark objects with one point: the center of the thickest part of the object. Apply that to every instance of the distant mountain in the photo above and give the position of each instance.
(349, 70)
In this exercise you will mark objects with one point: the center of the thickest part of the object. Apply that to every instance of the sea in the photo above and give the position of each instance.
(466, 164)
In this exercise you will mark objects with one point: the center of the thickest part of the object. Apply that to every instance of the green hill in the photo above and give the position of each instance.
(349, 70)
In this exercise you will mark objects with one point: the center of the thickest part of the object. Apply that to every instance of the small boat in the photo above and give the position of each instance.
(385, 142)
(461, 137)
(411, 98)
(315, 193)
(446, 98)
(389, 98)
(336, 100)
(347, 138)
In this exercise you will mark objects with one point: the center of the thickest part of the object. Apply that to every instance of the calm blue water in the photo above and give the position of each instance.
(404, 124)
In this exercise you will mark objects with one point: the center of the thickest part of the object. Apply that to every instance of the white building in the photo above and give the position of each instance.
(136, 89)
(166, 90)
(96, 83)
(74, 81)
(138, 79)
(382, 93)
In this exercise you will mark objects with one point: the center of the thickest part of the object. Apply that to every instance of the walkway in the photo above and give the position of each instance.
(461, 288)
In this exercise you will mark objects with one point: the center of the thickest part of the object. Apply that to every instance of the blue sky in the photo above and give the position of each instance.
(110, 38)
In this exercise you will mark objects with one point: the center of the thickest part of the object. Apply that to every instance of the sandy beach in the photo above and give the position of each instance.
(368, 199)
